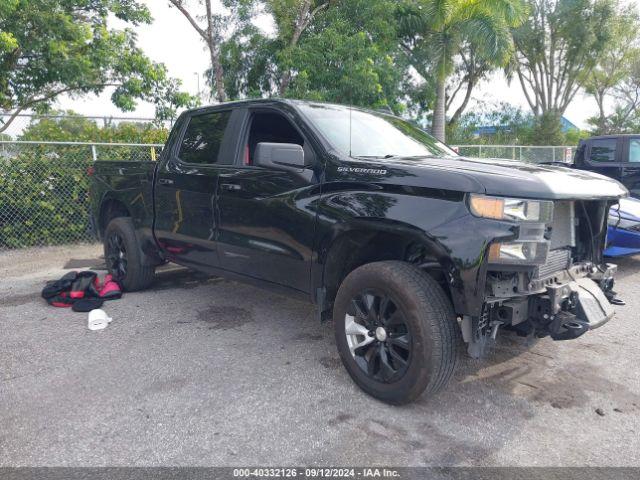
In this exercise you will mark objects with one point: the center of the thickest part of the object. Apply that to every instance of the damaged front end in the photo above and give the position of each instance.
(548, 278)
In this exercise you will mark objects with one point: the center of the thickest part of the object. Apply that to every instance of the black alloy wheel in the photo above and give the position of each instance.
(124, 257)
(116, 256)
(395, 330)
(378, 336)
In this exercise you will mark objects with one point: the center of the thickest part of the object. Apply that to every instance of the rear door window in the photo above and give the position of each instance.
(202, 140)
(603, 150)
(634, 151)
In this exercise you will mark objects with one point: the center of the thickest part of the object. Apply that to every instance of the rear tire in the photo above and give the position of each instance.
(123, 256)
(396, 331)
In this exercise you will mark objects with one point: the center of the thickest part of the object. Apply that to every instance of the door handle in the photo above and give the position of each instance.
(165, 181)
(231, 187)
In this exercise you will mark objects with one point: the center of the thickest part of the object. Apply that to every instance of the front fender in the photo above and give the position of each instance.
(441, 222)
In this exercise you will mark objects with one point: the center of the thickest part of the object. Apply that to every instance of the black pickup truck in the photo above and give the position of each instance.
(405, 244)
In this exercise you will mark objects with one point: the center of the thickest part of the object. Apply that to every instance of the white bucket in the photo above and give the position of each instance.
(98, 319)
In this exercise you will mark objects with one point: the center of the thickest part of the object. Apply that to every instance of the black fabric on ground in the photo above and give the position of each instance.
(83, 291)
(87, 304)
(56, 287)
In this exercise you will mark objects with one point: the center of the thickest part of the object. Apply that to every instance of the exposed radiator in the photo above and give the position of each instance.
(563, 228)
(557, 260)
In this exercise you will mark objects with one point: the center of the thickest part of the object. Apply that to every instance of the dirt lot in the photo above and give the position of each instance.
(202, 371)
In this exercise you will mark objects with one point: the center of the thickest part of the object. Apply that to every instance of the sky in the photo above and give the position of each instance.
(171, 40)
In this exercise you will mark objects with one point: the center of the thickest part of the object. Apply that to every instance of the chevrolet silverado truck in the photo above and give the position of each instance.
(404, 244)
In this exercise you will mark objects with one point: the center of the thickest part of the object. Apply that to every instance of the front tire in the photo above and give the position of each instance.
(396, 331)
(123, 257)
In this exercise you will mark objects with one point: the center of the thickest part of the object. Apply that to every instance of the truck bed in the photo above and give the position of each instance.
(128, 183)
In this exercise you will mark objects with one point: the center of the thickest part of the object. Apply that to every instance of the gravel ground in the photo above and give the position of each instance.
(202, 371)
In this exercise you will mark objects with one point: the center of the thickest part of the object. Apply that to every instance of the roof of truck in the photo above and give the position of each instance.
(286, 101)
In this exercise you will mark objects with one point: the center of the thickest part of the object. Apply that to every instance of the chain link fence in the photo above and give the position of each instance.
(44, 189)
(523, 153)
(44, 186)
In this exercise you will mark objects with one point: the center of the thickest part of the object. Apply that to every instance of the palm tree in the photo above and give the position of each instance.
(439, 29)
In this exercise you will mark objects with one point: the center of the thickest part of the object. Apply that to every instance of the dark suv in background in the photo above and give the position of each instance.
(615, 156)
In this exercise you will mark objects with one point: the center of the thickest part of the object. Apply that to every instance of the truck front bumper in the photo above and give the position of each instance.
(564, 305)
(588, 308)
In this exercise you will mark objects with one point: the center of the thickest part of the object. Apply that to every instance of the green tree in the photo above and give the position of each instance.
(622, 120)
(350, 55)
(247, 58)
(346, 52)
(512, 125)
(435, 31)
(557, 48)
(547, 129)
(50, 47)
(292, 18)
(469, 69)
(621, 53)
(625, 117)
(213, 25)
(70, 127)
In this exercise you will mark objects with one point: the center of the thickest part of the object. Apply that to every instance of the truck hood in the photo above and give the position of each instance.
(517, 179)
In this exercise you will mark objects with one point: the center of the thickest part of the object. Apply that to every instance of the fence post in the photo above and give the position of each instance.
(520, 152)
(479, 151)
(94, 155)
(153, 154)
(553, 149)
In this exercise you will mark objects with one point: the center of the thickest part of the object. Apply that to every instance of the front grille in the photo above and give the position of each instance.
(557, 260)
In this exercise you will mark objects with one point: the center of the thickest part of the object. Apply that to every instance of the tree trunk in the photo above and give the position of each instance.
(216, 65)
(211, 37)
(218, 75)
(601, 115)
(437, 127)
(297, 32)
(286, 76)
(458, 113)
(284, 83)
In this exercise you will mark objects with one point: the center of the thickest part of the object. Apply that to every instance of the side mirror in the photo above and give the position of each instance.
(280, 156)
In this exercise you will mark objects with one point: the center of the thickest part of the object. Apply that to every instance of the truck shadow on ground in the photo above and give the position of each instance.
(516, 367)
(515, 382)
(169, 277)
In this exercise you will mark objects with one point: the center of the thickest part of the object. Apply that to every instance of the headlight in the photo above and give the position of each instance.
(519, 253)
(511, 209)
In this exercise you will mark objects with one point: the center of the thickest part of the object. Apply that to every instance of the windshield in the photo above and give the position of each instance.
(371, 134)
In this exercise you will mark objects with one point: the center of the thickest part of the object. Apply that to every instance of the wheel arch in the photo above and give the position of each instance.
(371, 240)
(110, 208)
